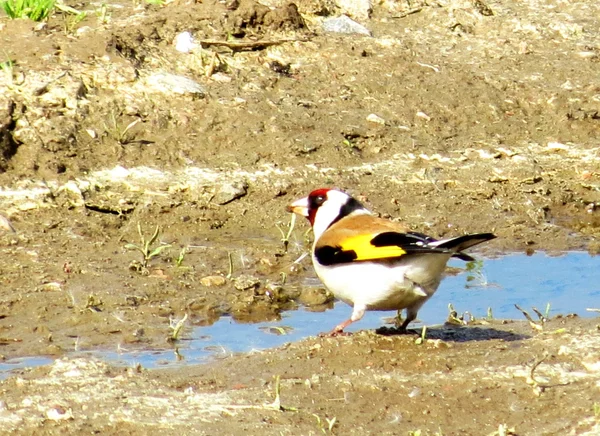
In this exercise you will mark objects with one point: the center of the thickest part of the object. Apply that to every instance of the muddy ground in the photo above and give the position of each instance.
(453, 116)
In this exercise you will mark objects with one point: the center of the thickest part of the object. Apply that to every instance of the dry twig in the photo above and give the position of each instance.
(250, 45)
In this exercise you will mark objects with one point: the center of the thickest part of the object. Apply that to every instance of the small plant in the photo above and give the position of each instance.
(72, 22)
(276, 404)
(181, 257)
(421, 339)
(177, 328)
(475, 273)
(547, 312)
(453, 317)
(539, 325)
(93, 303)
(285, 235)
(36, 10)
(122, 136)
(146, 246)
(229, 275)
(103, 14)
(330, 423)
(7, 67)
(476, 278)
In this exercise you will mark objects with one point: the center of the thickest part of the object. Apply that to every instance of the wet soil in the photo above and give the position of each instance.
(452, 117)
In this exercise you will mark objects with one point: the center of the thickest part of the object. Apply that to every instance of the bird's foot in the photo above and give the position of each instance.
(390, 331)
(334, 333)
(338, 330)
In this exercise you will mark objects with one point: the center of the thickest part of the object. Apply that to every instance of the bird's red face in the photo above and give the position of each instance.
(308, 206)
(323, 207)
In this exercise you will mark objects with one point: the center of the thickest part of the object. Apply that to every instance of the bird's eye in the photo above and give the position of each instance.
(319, 200)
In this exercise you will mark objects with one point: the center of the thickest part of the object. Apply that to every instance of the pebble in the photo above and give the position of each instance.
(376, 119)
(184, 42)
(315, 296)
(212, 281)
(344, 24)
(173, 84)
(230, 191)
(244, 282)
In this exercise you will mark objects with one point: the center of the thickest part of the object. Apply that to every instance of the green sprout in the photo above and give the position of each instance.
(181, 256)
(177, 328)
(36, 10)
(285, 235)
(421, 340)
(146, 247)
(330, 423)
(72, 21)
(121, 135)
(229, 275)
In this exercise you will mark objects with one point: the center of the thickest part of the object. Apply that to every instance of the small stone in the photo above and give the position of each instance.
(230, 191)
(315, 296)
(423, 115)
(243, 283)
(184, 42)
(51, 287)
(376, 119)
(212, 281)
(59, 413)
(167, 83)
(281, 187)
(344, 24)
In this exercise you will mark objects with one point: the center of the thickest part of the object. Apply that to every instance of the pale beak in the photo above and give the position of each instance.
(299, 207)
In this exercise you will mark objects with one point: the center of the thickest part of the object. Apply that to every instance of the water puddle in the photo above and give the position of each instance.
(22, 362)
(568, 284)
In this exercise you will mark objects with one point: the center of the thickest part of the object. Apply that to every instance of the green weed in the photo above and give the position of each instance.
(36, 10)
(177, 328)
(146, 247)
(285, 235)
(72, 22)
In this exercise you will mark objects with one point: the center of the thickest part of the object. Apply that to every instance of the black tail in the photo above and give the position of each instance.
(461, 243)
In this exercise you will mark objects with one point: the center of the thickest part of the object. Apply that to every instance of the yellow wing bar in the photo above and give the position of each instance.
(365, 250)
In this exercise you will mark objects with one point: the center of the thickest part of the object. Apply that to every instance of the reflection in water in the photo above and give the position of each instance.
(569, 283)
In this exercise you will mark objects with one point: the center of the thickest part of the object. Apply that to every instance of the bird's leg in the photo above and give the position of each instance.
(398, 320)
(357, 313)
(407, 321)
(411, 315)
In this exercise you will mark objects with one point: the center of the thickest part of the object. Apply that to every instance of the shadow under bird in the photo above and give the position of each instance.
(372, 263)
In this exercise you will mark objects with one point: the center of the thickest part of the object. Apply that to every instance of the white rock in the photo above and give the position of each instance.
(424, 116)
(184, 42)
(168, 83)
(375, 119)
(344, 24)
(230, 191)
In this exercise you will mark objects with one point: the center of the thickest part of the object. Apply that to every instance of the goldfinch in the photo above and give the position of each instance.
(372, 263)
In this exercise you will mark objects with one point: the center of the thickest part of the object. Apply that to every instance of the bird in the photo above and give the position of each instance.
(372, 263)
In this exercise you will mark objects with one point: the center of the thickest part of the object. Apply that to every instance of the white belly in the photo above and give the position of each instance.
(384, 287)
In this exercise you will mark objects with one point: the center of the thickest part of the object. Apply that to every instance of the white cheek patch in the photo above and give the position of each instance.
(326, 214)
